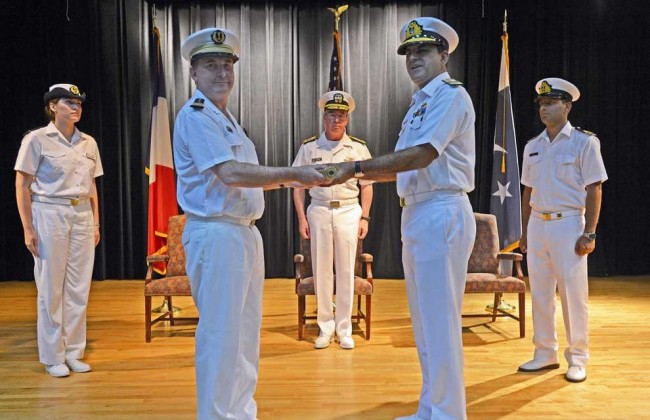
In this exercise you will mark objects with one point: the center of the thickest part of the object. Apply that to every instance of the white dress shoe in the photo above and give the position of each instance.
(411, 417)
(78, 366)
(58, 371)
(576, 374)
(537, 365)
(323, 341)
(346, 342)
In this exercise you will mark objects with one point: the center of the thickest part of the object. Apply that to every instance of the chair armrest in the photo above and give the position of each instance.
(366, 258)
(298, 258)
(157, 258)
(510, 256)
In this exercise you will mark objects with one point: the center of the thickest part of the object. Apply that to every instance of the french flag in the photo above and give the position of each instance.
(162, 183)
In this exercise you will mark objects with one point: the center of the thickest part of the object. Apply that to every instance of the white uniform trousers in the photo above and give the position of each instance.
(63, 272)
(438, 236)
(552, 261)
(334, 237)
(225, 264)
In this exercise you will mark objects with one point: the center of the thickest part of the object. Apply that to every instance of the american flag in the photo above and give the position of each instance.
(336, 81)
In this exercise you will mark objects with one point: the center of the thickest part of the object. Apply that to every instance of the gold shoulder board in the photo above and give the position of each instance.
(309, 140)
(452, 82)
(357, 139)
(587, 132)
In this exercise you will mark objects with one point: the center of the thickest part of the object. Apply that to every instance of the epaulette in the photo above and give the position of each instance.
(452, 82)
(198, 103)
(357, 139)
(587, 132)
(309, 140)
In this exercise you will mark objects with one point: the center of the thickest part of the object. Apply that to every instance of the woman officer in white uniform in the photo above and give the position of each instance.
(56, 195)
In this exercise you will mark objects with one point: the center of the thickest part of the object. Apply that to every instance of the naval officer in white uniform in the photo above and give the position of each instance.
(220, 188)
(58, 204)
(563, 172)
(334, 221)
(434, 167)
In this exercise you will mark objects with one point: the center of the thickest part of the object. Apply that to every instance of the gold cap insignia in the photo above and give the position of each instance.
(218, 36)
(74, 90)
(544, 88)
(338, 98)
(414, 29)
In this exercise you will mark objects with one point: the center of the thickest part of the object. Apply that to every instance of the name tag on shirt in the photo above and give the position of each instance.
(533, 154)
(318, 159)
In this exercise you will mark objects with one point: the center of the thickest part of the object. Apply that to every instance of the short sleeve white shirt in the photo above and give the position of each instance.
(324, 151)
(442, 115)
(60, 168)
(203, 138)
(558, 172)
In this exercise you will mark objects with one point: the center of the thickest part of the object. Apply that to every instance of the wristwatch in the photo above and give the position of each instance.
(358, 173)
(590, 235)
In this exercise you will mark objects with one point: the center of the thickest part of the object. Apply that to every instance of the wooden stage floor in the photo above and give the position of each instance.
(380, 379)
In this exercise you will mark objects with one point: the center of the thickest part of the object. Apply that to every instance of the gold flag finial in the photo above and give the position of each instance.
(337, 14)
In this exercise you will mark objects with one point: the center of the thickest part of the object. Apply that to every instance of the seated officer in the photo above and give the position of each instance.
(334, 221)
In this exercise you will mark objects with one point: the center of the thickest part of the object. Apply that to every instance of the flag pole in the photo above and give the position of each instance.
(504, 38)
(503, 167)
(336, 63)
(338, 11)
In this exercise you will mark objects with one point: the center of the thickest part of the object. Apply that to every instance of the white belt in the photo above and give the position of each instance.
(547, 215)
(241, 221)
(334, 204)
(59, 200)
(429, 195)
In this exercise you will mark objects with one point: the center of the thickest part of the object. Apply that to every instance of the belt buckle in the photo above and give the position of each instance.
(546, 216)
(335, 204)
(74, 201)
(402, 202)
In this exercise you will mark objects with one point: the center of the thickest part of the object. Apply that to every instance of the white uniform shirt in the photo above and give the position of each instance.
(324, 151)
(442, 115)
(559, 171)
(60, 168)
(204, 138)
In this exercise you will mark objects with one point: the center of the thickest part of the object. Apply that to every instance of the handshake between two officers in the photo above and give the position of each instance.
(321, 175)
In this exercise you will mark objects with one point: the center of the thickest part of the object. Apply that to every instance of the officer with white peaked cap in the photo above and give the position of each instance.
(427, 30)
(220, 188)
(337, 100)
(58, 204)
(562, 173)
(555, 88)
(434, 168)
(213, 42)
(334, 221)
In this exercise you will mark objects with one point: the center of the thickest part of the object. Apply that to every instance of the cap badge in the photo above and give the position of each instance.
(414, 29)
(74, 90)
(544, 88)
(218, 36)
(338, 98)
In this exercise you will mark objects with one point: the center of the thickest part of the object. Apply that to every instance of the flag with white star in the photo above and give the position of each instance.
(336, 81)
(505, 202)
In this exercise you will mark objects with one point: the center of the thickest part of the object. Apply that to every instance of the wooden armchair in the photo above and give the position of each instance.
(175, 282)
(483, 271)
(363, 286)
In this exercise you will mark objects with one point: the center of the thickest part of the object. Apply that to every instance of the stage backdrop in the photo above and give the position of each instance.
(103, 47)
